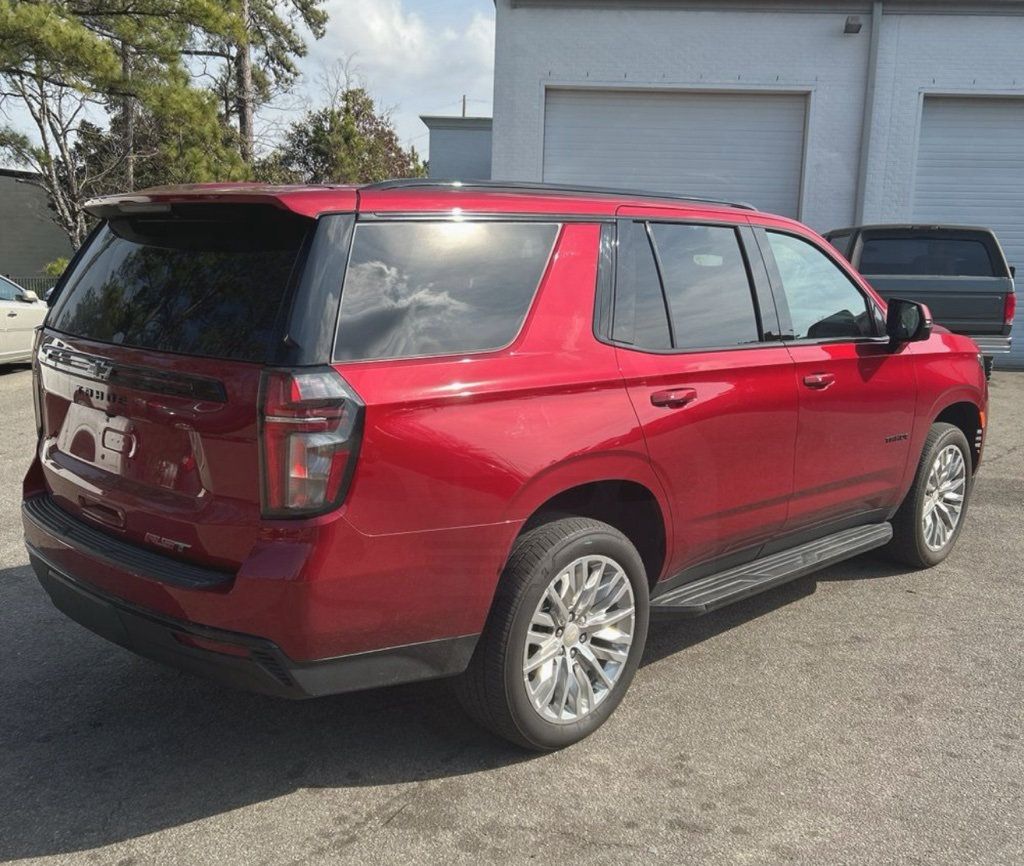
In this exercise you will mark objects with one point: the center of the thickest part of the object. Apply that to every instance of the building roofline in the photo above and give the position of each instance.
(942, 7)
(19, 173)
(439, 121)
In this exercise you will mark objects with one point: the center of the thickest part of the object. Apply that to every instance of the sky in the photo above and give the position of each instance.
(413, 56)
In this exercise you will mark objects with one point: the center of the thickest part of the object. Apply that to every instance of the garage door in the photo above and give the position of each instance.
(742, 146)
(970, 170)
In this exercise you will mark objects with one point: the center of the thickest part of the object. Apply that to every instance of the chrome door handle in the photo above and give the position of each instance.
(820, 381)
(673, 398)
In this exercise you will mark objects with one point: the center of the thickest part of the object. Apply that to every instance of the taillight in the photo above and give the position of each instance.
(311, 427)
(1009, 308)
(37, 384)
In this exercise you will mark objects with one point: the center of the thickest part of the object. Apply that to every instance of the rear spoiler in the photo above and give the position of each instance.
(302, 200)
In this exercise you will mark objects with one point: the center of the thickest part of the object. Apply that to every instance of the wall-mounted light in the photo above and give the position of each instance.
(853, 25)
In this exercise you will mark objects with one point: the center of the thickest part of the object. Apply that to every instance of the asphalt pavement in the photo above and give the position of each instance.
(864, 715)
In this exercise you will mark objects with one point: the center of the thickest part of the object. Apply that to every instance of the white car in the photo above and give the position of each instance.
(21, 312)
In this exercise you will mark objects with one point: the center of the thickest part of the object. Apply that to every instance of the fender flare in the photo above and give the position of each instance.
(588, 469)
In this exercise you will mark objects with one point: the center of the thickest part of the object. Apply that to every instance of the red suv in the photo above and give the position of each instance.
(309, 440)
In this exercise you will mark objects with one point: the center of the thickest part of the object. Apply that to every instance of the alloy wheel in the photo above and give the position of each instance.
(579, 639)
(944, 494)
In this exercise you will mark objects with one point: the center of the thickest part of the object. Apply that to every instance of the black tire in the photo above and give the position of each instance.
(492, 689)
(908, 543)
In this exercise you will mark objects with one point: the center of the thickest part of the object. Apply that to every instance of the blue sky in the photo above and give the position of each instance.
(415, 56)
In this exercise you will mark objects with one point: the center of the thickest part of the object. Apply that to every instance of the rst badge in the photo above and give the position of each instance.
(167, 543)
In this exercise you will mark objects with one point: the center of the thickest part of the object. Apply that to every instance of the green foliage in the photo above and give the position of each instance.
(127, 94)
(348, 142)
(258, 62)
(188, 142)
(275, 39)
(51, 37)
(67, 60)
(56, 267)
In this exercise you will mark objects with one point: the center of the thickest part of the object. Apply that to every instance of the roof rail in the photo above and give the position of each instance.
(525, 186)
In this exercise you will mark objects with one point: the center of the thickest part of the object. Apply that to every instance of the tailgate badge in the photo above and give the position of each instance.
(102, 395)
(167, 543)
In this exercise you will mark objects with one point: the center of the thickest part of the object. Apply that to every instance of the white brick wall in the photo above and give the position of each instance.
(688, 49)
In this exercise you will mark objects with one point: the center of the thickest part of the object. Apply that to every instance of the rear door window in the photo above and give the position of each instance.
(415, 289)
(641, 317)
(706, 285)
(203, 280)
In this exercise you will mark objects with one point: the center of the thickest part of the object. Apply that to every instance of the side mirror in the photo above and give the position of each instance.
(907, 321)
(29, 297)
(1013, 270)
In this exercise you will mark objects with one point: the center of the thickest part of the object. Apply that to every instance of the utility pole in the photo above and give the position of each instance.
(463, 104)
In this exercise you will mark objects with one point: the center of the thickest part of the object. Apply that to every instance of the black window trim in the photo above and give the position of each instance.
(766, 308)
(294, 349)
(782, 304)
(759, 284)
(447, 218)
(659, 269)
(604, 297)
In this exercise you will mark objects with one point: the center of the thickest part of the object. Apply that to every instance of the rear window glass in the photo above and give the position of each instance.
(707, 286)
(439, 288)
(209, 283)
(936, 256)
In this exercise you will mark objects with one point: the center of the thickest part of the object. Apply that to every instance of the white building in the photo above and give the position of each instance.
(833, 112)
(460, 147)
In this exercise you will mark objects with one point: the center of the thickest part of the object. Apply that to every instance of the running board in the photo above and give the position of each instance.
(710, 593)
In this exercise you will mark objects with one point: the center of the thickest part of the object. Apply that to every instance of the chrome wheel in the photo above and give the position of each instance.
(579, 639)
(944, 496)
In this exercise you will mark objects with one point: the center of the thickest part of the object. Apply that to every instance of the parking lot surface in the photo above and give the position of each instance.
(864, 715)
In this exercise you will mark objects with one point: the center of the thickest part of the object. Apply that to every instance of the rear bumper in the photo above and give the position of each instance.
(317, 589)
(240, 660)
(993, 345)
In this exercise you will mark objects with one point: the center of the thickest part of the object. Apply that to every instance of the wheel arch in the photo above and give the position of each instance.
(968, 416)
(619, 489)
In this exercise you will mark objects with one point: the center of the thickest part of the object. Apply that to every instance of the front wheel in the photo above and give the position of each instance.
(929, 521)
(564, 636)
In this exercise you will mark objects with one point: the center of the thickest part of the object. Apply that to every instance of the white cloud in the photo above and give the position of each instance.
(412, 63)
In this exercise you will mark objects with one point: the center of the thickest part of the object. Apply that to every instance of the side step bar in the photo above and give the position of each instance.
(710, 593)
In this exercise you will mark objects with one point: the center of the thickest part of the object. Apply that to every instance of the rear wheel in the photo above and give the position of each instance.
(564, 636)
(929, 521)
